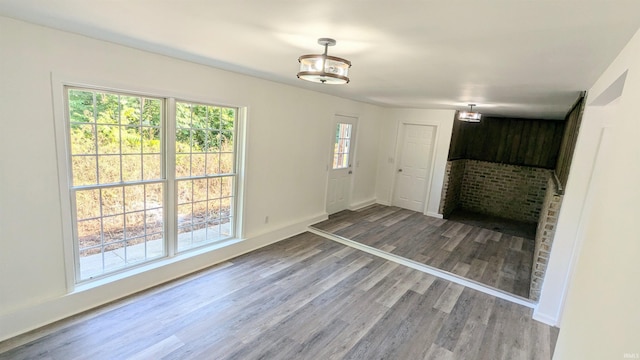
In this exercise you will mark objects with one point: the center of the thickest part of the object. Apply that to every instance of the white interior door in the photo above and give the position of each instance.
(413, 170)
(339, 186)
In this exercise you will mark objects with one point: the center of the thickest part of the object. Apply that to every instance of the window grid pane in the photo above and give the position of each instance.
(104, 127)
(115, 138)
(205, 150)
(341, 147)
(204, 140)
(128, 222)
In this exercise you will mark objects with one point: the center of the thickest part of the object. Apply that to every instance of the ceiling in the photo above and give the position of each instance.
(519, 58)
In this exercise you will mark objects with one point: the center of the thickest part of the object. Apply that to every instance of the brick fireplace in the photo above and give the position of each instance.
(507, 191)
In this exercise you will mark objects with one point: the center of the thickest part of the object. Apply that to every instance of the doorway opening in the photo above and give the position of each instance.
(509, 175)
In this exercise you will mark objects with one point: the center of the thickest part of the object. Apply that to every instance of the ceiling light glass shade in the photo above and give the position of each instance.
(469, 116)
(322, 68)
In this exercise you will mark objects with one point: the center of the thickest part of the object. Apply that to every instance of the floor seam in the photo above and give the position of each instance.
(442, 274)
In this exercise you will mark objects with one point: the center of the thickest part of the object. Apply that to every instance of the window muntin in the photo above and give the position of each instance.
(342, 146)
(205, 173)
(118, 179)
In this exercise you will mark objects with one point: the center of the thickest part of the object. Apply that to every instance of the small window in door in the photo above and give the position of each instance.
(342, 146)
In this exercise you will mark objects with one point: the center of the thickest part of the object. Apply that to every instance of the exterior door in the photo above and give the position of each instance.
(339, 186)
(413, 170)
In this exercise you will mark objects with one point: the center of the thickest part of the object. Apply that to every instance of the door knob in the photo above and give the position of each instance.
(350, 172)
(399, 170)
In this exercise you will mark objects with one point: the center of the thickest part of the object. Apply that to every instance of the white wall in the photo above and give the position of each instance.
(288, 132)
(565, 242)
(602, 317)
(387, 155)
(366, 157)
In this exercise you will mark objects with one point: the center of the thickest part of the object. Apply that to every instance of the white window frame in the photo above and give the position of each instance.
(63, 152)
(336, 147)
(173, 179)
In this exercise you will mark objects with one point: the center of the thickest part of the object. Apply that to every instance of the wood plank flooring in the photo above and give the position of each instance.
(491, 258)
(302, 298)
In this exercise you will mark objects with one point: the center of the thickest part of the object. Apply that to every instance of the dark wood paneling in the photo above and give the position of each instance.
(513, 140)
(456, 149)
(568, 144)
(526, 142)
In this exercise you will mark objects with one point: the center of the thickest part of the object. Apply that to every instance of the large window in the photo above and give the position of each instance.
(119, 184)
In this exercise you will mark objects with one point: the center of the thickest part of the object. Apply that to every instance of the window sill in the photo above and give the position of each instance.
(153, 265)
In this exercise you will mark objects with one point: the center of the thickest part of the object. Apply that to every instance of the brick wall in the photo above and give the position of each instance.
(509, 191)
(544, 237)
(452, 187)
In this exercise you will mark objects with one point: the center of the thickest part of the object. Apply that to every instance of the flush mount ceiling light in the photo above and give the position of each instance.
(469, 116)
(323, 68)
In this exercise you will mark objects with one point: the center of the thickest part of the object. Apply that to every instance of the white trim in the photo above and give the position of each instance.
(395, 163)
(95, 294)
(362, 204)
(64, 175)
(426, 269)
(241, 144)
(436, 136)
(435, 215)
(171, 195)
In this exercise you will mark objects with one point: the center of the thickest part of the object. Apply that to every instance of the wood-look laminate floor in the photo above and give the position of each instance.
(302, 298)
(498, 260)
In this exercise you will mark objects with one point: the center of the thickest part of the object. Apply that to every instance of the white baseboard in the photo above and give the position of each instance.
(383, 202)
(87, 297)
(362, 204)
(545, 318)
(435, 215)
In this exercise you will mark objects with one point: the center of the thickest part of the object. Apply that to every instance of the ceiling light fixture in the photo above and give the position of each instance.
(323, 68)
(469, 116)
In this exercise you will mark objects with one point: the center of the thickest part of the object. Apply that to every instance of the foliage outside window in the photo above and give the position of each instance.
(204, 172)
(119, 178)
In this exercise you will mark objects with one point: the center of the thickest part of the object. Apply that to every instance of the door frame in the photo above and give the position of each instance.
(398, 150)
(329, 157)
